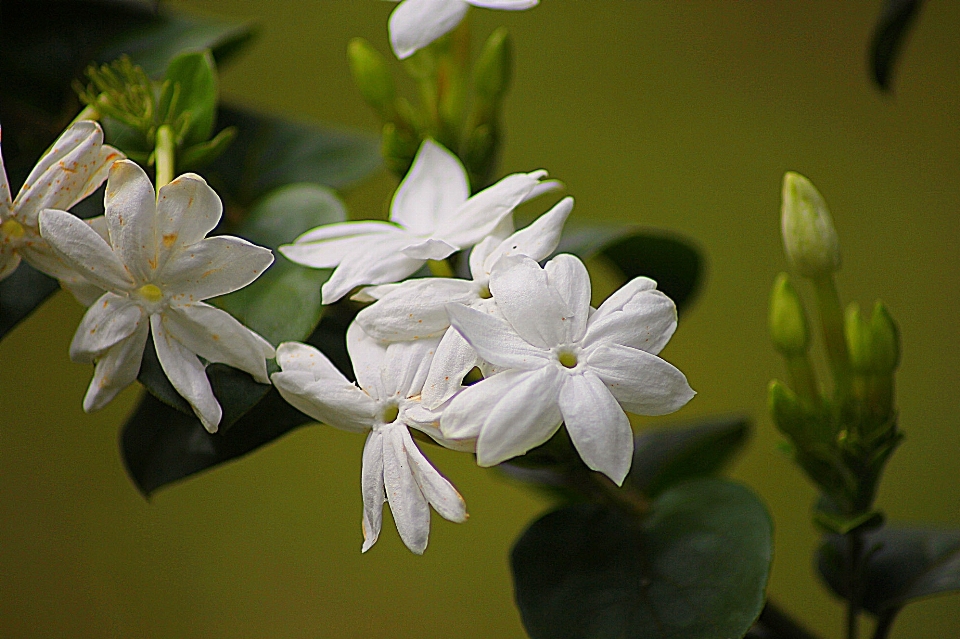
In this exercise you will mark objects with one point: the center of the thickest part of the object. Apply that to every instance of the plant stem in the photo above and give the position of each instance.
(164, 156)
(885, 623)
(441, 268)
(854, 542)
(834, 338)
(781, 625)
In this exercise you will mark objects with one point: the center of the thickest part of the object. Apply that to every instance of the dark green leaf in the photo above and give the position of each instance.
(667, 456)
(889, 35)
(284, 303)
(696, 567)
(200, 155)
(161, 445)
(902, 564)
(195, 74)
(270, 152)
(673, 262)
(21, 293)
(154, 45)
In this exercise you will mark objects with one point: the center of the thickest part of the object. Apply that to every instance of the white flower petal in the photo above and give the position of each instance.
(569, 277)
(430, 249)
(416, 23)
(494, 339)
(214, 266)
(45, 258)
(525, 416)
(296, 356)
(509, 5)
(111, 319)
(464, 416)
(116, 369)
(405, 366)
(326, 246)
(371, 483)
(439, 492)
(479, 256)
(414, 309)
(382, 263)
(644, 318)
(216, 336)
(453, 359)
(643, 383)
(187, 209)
(407, 503)
(435, 186)
(533, 308)
(479, 216)
(84, 250)
(336, 403)
(130, 208)
(187, 375)
(536, 241)
(9, 260)
(367, 356)
(414, 415)
(598, 427)
(6, 204)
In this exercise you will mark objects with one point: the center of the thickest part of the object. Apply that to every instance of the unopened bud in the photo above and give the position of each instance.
(494, 67)
(787, 321)
(372, 77)
(809, 237)
(787, 413)
(857, 334)
(885, 340)
(398, 148)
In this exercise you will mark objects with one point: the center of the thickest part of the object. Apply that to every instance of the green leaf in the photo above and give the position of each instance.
(902, 564)
(270, 152)
(673, 262)
(889, 35)
(161, 444)
(696, 567)
(284, 303)
(21, 293)
(155, 44)
(667, 456)
(195, 75)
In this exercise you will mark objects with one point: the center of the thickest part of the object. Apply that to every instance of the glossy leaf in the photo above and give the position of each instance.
(161, 444)
(195, 76)
(902, 564)
(889, 35)
(695, 567)
(21, 293)
(673, 262)
(270, 152)
(284, 303)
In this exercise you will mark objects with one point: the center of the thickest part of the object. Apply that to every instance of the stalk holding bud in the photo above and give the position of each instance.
(372, 77)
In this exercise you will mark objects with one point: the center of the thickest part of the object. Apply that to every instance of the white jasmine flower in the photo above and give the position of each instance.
(394, 469)
(563, 362)
(418, 308)
(431, 217)
(416, 23)
(156, 267)
(74, 167)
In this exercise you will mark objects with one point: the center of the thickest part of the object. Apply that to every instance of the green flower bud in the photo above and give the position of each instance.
(787, 321)
(398, 147)
(885, 340)
(787, 413)
(372, 77)
(809, 238)
(494, 67)
(858, 340)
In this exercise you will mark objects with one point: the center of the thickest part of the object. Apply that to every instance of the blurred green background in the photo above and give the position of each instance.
(679, 116)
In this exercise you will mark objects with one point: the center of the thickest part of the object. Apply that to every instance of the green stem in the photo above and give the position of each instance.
(164, 156)
(834, 339)
(803, 378)
(89, 112)
(854, 542)
(885, 623)
(441, 268)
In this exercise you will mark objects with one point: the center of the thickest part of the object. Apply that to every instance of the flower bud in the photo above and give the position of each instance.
(398, 147)
(809, 238)
(372, 77)
(858, 339)
(787, 413)
(787, 321)
(494, 67)
(885, 340)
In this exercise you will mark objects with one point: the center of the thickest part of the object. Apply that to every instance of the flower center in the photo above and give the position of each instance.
(567, 359)
(485, 293)
(150, 292)
(390, 414)
(13, 229)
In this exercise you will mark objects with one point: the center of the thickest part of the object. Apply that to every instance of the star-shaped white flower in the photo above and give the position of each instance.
(416, 23)
(431, 217)
(384, 404)
(562, 362)
(156, 267)
(74, 167)
(418, 308)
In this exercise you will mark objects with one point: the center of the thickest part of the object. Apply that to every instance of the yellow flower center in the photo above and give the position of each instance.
(569, 360)
(151, 293)
(485, 293)
(13, 229)
(390, 414)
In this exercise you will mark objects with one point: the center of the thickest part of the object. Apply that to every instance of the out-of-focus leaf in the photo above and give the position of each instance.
(284, 303)
(889, 35)
(200, 155)
(667, 456)
(155, 44)
(270, 152)
(673, 262)
(195, 74)
(161, 444)
(21, 293)
(695, 567)
(902, 564)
